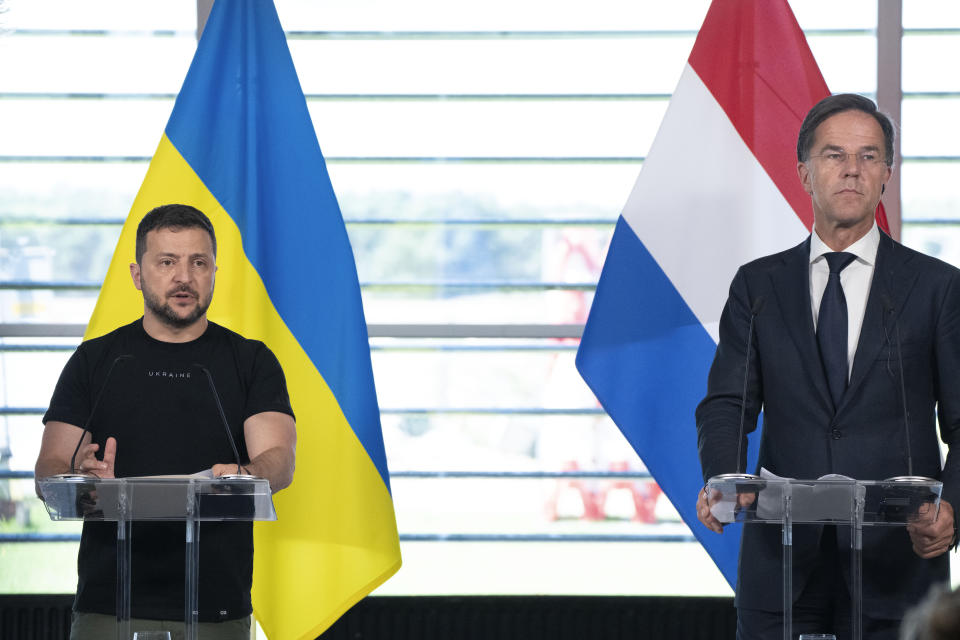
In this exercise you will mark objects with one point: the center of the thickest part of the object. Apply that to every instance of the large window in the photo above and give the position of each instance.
(481, 158)
(931, 143)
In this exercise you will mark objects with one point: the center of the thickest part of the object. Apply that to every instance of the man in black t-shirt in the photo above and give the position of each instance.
(159, 416)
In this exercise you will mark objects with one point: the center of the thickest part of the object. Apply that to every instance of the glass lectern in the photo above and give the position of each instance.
(188, 499)
(835, 500)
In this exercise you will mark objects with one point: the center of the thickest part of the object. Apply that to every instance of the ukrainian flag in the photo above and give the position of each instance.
(240, 147)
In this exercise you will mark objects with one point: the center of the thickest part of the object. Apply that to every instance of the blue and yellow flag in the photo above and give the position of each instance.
(240, 147)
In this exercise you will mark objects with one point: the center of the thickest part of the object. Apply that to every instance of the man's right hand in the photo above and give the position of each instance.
(89, 463)
(708, 497)
(703, 509)
(57, 447)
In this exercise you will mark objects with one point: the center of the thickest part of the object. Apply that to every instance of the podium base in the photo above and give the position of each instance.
(910, 479)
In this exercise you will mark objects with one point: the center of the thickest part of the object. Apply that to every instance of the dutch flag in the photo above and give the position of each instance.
(718, 188)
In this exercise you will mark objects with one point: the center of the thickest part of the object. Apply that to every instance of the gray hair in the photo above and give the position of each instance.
(936, 617)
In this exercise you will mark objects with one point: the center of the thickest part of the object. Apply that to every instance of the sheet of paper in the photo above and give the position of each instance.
(810, 502)
(199, 475)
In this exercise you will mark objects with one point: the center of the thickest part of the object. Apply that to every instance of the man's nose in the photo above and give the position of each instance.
(851, 163)
(181, 272)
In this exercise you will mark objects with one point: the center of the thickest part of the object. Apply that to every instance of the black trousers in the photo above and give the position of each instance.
(823, 606)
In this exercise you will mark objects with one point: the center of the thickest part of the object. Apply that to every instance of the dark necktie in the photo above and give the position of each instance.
(832, 327)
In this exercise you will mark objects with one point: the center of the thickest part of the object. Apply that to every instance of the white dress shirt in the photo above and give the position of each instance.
(855, 280)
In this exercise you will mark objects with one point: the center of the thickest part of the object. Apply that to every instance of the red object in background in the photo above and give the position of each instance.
(644, 494)
(587, 497)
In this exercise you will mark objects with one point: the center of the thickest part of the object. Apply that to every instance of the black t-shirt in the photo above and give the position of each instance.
(159, 406)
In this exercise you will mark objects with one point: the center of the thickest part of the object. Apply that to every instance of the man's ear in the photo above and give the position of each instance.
(135, 275)
(804, 174)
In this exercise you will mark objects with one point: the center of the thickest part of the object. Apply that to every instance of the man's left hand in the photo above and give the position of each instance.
(227, 469)
(931, 539)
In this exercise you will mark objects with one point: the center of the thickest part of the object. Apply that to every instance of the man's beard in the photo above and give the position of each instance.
(167, 315)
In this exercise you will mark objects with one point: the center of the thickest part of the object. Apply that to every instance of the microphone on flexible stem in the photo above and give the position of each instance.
(226, 425)
(93, 410)
(754, 310)
(745, 483)
(888, 307)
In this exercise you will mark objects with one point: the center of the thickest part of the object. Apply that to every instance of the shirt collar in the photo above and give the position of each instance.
(865, 248)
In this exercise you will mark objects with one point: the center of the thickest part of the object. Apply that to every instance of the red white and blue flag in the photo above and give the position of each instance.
(718, 188)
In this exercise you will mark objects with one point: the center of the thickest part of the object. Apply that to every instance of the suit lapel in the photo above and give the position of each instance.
(893, 279)
(791, 284)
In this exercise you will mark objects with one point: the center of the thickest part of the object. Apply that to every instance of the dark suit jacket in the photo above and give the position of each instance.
(864, 438)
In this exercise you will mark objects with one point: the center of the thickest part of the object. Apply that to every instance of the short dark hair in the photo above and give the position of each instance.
(176, 217)
(831, 106)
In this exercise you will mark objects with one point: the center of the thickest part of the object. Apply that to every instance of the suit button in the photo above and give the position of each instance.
(836, 434)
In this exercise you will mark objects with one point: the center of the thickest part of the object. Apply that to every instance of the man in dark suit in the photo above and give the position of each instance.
(830, 316)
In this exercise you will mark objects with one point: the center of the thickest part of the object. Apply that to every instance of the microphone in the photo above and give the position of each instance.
(93, 410)
(754, 310)
(223, 418)
(888, 307)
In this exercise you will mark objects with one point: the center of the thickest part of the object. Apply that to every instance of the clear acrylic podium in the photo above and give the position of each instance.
(830, 500)
(187, 499)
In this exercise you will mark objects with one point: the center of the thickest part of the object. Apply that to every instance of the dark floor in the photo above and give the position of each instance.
(46, 617)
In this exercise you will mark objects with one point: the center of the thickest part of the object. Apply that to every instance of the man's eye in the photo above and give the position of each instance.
(835, 157)
(868, 157)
